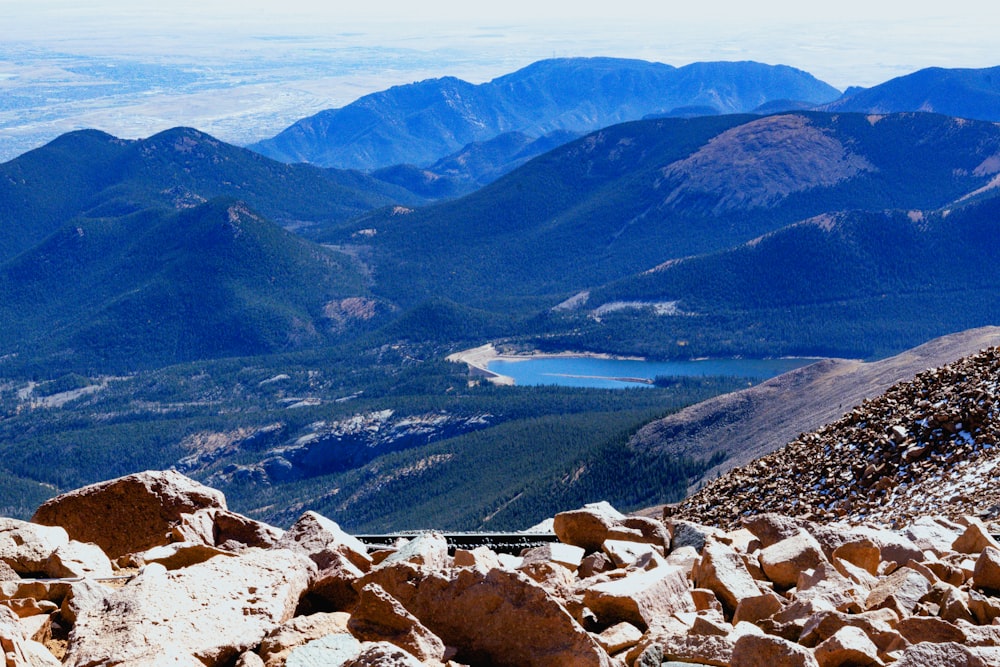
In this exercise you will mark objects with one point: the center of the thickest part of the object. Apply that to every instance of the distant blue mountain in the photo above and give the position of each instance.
(420, 123)
(963, 93)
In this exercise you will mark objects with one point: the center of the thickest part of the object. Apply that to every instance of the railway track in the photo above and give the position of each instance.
(508, 543)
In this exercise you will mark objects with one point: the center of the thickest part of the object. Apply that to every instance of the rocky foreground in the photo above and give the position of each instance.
(152, 569)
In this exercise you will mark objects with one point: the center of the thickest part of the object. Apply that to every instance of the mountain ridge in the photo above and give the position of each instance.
(425, 121)
(89, 172)
(960, 92)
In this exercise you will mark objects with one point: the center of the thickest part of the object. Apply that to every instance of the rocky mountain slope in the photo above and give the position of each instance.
(422, 122)
(926, 446)
(749, 424)
(153, 569)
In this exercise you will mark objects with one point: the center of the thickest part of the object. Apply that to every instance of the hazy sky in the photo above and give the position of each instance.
(845, 42)
(245, 69)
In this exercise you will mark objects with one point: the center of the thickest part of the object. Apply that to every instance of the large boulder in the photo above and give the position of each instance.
(975, 538)
(282, 640)
(18, 649)
(76, 559)
(987, 572)
(768, 651)
(128, 514)
(786, 559)
(926, 654)
(587, 527)
(207, 613)
(641, 597)
(722, 571)
(848, 646)
(380, 617)
(324, 542)
(900, 591)
(26, 547)
(497, 617)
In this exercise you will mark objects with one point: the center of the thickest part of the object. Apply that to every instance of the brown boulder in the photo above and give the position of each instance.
(758, 607)
(323, 541)
(877, 626)
(900, 591)
(926, 654)
(588, 527)
(722, 571)
(566, 555)
(824, 585)
(713, 650)
(627, 554)
(208, 613)
(916, 629)
(279, 642)
(619, 637)
(769, 651)
(987, 572)
(642, 529)
(985, 608)
(848, 646)
(640, 597)
(771, 528)
(232, 529)
(862, 553)
(380, 617)
(482, 558)
(382, 654)
(497, 617)
(128, 514)
(975, 538)
(783, 561)
(26, 547)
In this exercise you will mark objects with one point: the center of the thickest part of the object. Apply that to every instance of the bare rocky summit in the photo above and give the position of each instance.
(218, 589)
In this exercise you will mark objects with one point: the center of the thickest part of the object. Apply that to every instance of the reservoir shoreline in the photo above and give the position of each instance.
(583, 369)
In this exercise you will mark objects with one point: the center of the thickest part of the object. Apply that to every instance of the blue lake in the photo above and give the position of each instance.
(623, 373)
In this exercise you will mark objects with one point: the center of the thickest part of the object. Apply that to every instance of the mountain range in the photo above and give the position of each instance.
(423, 122)
(280, 329)
(763, 227)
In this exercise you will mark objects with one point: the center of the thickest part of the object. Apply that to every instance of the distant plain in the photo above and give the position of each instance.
(245, 79)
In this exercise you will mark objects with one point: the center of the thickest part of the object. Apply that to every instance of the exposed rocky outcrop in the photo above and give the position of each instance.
(326, 447)
(929, 446)
(780, 591)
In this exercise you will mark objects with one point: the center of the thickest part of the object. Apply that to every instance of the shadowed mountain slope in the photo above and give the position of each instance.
(964, 93)
(89, 173)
